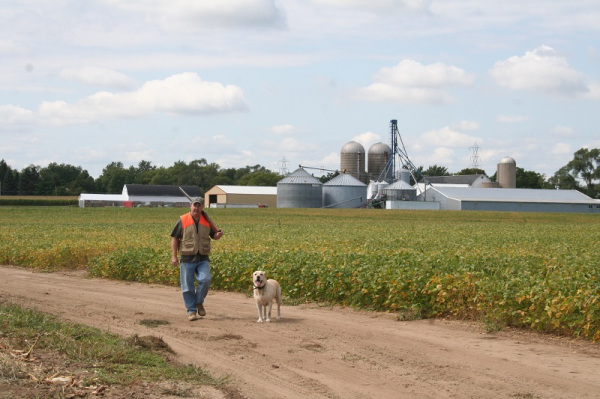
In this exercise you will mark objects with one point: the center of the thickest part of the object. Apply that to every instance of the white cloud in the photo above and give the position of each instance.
(466, 125)
(543, 71)
(14, 115)
(447, 137)
(193, 15)
(281, 130)
(563, 131)
(562, 149)
(411, 82)
(378, 6)
(95, 76)
(511, 118)
(137, 156)
(182, 94)
(367, 139)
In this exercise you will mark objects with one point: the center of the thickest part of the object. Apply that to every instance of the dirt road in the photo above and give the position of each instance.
(319, 352)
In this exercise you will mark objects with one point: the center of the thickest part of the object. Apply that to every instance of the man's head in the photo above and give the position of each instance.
(196, 206)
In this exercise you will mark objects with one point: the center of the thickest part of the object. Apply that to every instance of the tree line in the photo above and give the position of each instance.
(581, 173)
(68, 180)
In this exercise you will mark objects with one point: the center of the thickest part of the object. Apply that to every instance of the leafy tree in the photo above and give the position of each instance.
(564, 180)
(114, 176)
(472, 171)
(143, 173)
(28, 180)
(529, 179)
(260, 178)
(162, 176)
(10, 182)
(60, 180)
(436, 170)
(328, 176)
(586, 166)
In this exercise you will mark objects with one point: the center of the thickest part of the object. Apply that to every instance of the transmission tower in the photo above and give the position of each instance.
(475, 156)
(283, 170)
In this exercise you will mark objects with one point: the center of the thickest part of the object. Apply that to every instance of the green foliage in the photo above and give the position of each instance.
(436, 170)
(472, 171)
(529, 179)
(533, 270)
(4, 201)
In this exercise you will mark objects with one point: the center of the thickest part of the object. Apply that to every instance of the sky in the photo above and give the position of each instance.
(283, 83)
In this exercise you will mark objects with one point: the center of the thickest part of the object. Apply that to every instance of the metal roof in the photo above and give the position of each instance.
(345, 179)
(399, 185)
(299, 176)
(256, 190)
(455, 179)
(514, 195)
(353, 147)
(160, 190)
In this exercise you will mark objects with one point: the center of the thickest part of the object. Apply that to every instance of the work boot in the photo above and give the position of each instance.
(201, 310)
(192, 316)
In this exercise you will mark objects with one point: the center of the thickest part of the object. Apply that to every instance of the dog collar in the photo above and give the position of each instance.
(259, 288)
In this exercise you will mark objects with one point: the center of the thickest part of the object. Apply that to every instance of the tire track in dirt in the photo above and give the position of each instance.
(321, 352)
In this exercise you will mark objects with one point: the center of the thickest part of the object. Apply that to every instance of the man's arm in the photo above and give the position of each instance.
(174, 248)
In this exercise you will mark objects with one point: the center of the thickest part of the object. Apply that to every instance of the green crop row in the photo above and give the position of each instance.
(8, 201)
(539, 271)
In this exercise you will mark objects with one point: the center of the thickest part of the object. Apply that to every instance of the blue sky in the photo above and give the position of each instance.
(246, 82)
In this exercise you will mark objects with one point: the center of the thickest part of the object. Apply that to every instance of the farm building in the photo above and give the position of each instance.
(475, 181)
(509, 199)
(241, 197)
(134, 195)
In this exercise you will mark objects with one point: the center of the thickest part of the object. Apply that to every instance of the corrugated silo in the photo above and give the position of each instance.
(299, 190)
(400, 191)
(379, 155)
(352, 159)
(344, 191)
(405, 175)
(507, 173)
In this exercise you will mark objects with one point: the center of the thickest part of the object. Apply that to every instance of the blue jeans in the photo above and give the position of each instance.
(193, 296)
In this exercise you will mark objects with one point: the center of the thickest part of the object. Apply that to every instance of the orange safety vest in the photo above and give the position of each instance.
(192, 241)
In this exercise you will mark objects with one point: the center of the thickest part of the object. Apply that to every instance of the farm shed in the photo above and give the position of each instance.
(241, 197)
(510, 199)
(142, 195)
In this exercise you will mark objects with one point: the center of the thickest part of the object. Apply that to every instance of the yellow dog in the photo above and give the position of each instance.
(265, 292)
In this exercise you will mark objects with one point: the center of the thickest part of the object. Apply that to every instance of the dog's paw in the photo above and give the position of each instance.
(259, 321)
(268, 320)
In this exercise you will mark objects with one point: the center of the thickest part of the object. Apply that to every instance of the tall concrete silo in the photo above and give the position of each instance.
(379, 155)
(352, 160)
(299, 190)
(344, 191)
(506, 174)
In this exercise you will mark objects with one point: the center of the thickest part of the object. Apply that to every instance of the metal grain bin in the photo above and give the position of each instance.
(344, 191)
(400, 191)
(299, 190)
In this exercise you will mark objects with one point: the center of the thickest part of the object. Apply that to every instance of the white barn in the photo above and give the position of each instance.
(142, 195)
(509, 199)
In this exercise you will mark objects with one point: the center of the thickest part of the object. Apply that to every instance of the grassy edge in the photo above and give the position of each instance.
(102, 359)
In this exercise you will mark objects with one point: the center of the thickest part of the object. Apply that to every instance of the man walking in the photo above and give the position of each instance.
(191, 237)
